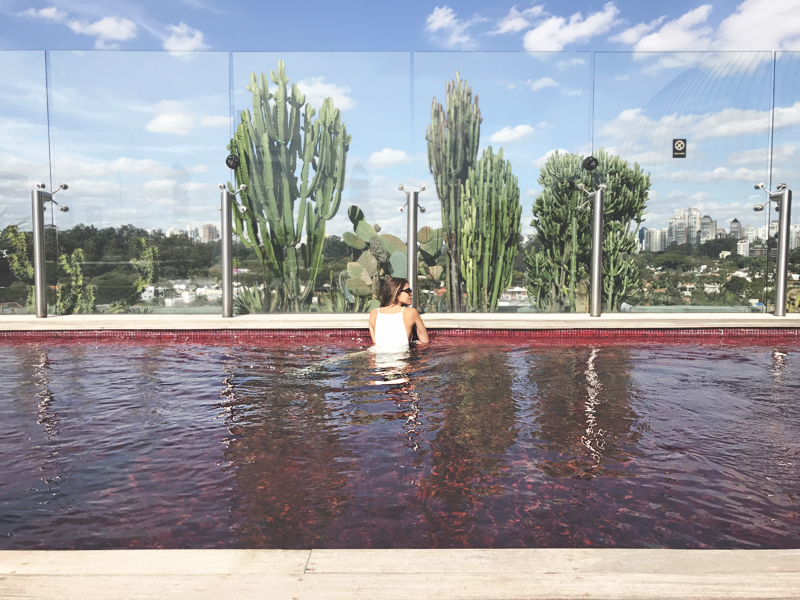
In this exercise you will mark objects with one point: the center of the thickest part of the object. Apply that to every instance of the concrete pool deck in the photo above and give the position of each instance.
(401, 574)
(516, 322)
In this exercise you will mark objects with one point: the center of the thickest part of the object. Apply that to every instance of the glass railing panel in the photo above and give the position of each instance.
(24, 162)
(785, 156)
(534, 106)
(372, 94)
(140, 137)
(698, 125)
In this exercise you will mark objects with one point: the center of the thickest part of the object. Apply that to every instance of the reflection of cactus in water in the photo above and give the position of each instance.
(384, 255)
(453, 137)
(490, 226)
(270, 143)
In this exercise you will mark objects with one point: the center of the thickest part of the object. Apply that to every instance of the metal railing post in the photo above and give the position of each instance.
(412, 201)
(38, 198)
(783, 201)
(596, 297)
(226, 200)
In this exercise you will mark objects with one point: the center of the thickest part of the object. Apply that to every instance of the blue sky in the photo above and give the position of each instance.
(140, 96)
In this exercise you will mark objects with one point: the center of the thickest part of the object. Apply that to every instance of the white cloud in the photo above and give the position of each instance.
(717, 175)
(755, 25)
(542, 83)
(621, 77)
(764, 24)
(688, 32)
(183, 38)
(556, 32)
(316, 89)
(539, 162)
(173, 118)
(515, 21)
(573, 62)
(51, 13)
(508, 135)
(107, 31)
(443, 21)
(728, 122)
(575, 92)
(632, 35)
(388, 158)
(780, 154)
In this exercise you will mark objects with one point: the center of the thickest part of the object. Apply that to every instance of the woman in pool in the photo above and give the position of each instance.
(393, 323)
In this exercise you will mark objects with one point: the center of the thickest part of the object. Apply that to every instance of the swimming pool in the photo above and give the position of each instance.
(469, 443)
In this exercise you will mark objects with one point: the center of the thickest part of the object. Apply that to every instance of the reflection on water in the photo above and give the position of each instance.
(449, 445)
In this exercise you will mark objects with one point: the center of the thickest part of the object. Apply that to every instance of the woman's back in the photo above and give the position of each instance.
(390, 329)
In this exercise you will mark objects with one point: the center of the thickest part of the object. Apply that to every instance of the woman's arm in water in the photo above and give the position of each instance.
(372, 319)
(422, 332)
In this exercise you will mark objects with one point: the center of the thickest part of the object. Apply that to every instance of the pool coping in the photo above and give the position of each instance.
(400, 574)
(434, 321)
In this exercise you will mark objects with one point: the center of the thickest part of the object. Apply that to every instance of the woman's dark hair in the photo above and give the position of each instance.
(391, 290)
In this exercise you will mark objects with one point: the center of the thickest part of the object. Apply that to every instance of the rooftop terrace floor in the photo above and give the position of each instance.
(401, 574)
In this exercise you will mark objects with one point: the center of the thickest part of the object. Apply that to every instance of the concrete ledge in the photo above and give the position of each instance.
(549, 321)
(401, 574)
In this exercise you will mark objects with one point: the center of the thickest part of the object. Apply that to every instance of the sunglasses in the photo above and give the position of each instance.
(406, 290)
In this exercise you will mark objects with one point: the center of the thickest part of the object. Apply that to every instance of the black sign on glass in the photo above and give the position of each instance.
(678, 148)
(590, 163)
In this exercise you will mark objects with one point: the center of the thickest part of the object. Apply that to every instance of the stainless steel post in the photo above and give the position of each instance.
(783, 250)
(413, 201)
(596, 295)
(38, 198)
(227, 254)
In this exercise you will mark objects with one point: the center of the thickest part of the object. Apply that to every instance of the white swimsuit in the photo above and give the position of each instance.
(390, 330)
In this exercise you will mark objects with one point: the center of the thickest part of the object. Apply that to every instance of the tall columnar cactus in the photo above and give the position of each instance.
(279, 201)
(453, 137)
(490, 225)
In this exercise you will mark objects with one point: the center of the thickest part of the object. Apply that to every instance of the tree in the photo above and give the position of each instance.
(564, 229)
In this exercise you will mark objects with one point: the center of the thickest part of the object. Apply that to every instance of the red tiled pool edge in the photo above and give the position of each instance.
(227, 336)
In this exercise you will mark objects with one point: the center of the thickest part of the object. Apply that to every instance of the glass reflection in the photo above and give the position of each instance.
(701, 246)
(143, 155)
(24, 162)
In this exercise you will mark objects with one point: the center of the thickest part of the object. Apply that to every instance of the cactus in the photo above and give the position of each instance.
(453, 137)
(385, 255)
(490, 226)
(270, 143)
(72, 297)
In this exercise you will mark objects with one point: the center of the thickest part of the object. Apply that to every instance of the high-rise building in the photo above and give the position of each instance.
(209, 234)
(736, 229)
(677, 227)
(652, 240)
(794, 237)
(693, 223)
(708, 229)
(750, 233)
(743, 247)
(193, 233)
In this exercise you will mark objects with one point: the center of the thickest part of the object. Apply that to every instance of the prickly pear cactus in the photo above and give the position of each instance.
(384, 255)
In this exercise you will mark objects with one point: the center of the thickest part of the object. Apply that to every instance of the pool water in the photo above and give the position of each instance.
(461, 444)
